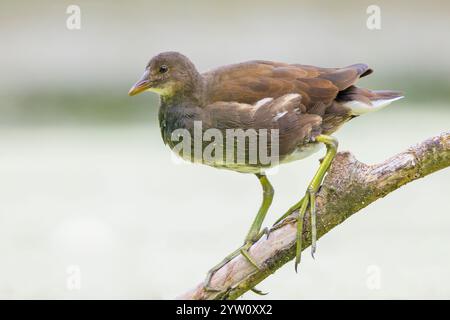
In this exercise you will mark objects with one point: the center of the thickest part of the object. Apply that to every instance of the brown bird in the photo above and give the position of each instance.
(289, 109)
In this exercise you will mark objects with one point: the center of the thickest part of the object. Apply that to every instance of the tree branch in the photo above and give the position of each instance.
(348, 187)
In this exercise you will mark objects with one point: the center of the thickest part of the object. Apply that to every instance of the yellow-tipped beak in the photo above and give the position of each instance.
(140, 86)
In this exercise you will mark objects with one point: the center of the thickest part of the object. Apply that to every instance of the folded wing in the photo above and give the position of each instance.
(252, 81)
(287, 114)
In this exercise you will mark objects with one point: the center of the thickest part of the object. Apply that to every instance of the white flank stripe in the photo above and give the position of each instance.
(289, 97)
(279, 115)
(262, 102)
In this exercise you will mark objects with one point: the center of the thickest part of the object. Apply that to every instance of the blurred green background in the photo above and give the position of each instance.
(86, 182)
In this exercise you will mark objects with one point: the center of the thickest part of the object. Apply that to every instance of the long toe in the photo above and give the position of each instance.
(246, 254)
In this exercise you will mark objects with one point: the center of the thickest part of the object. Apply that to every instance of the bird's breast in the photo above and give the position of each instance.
(175, 118)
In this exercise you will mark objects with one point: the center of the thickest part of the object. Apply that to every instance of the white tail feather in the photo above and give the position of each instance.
(359, 108)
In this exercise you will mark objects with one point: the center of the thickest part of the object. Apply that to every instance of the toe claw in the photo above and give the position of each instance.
(313, 250)
(266, 231)
(259, 292)
(210, 289)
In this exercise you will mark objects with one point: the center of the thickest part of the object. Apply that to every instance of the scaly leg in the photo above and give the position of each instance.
(309, 200)
(253, 235)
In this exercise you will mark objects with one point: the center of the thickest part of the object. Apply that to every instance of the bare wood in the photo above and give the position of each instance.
(349, 186)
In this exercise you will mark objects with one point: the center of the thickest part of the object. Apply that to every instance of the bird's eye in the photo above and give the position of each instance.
(163, 69)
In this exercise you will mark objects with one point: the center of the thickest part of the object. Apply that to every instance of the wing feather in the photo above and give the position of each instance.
(252, 81)
(286, 114)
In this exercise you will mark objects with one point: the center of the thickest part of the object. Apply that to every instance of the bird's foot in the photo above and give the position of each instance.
(244, 250)
(291, 210)
(307, 202)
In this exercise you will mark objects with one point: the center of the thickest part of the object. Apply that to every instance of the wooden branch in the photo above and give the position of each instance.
(348, 187)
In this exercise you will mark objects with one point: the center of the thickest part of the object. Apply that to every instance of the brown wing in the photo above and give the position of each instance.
(286, 113)
(251, 81)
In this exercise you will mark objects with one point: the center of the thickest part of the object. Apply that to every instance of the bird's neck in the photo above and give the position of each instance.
(183, 106)
(180, 99)
(191, 93)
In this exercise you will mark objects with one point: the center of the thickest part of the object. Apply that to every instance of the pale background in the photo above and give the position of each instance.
(88, 188)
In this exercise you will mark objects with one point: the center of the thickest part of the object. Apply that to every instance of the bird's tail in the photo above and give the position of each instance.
(362, 101)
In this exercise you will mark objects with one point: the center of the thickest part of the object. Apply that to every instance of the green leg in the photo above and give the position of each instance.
(309, 200)
(253, 235)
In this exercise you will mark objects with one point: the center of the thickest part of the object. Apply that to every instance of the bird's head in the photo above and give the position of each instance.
(168, 74)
